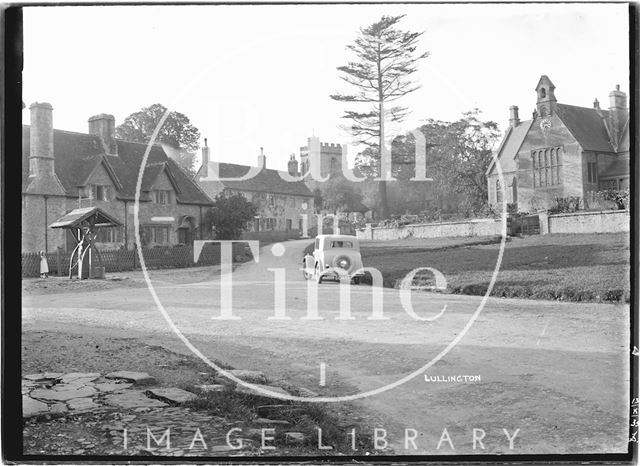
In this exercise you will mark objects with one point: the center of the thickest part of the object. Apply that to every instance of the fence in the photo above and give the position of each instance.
(124, 260)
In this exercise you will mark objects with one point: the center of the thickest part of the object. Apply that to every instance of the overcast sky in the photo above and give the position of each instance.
(252, 76)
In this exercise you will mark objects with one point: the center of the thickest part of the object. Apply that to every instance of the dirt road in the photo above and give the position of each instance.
(558, 372)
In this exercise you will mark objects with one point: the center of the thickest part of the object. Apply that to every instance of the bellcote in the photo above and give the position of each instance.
(546, 102)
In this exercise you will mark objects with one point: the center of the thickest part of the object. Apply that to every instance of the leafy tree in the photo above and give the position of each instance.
(339, 195)
(458, 155)
(177, 132)
(230, 215)
(386, 59)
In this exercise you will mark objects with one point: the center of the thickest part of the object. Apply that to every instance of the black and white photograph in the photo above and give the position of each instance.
(307, 232)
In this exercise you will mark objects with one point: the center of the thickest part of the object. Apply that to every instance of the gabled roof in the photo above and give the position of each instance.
(624, 139)
(94, 214)
(77, 155)
(267, 180)
(587, 125)
(512, 141)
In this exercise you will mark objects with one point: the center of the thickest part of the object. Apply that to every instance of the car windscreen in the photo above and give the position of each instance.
(342, 244)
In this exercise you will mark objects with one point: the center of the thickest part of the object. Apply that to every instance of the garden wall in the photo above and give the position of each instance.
(606, 221)
(480, 227)
(266, 237)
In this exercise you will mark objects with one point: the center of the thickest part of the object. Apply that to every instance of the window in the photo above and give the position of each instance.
(158, 234)
(268, 223)
(109, 235)
(162, 196)
(342, 244)
(292, 202)
(498, 192)
(546, 167)
(592, 172)
(102, 192)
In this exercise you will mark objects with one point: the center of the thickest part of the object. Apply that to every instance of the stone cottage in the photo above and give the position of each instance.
(562, 151)
(64, 170)
(282, 200)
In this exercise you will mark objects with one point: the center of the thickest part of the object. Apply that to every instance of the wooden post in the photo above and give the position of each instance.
(59, 260)
(135, 254)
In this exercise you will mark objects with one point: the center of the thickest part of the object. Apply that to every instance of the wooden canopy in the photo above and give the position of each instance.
(93, 216)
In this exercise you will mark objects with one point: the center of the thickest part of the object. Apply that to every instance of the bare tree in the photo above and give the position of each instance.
(386, 59)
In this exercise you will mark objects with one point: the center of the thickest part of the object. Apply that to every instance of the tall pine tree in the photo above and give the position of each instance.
(386, 59)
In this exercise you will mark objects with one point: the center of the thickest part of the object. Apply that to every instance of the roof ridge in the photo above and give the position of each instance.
(581, 107)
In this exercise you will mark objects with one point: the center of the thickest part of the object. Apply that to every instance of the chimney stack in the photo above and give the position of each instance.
(596, 104)
(103, 126)
(262, 159)
(42, 175)
(41, 138)
(618, 113)
(204, 167)
(514, 119)
(292, 165)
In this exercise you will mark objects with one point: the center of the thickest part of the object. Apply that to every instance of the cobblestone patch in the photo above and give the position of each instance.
(91, 414)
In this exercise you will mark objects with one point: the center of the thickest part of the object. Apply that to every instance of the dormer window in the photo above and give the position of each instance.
(162, 196)
(102, 192)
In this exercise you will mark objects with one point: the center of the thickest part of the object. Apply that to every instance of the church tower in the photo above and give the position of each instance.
(546, 103)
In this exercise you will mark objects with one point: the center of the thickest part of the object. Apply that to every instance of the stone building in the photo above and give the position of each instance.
(282, 199)
(64, 170)
(562, 151)
(328, 156)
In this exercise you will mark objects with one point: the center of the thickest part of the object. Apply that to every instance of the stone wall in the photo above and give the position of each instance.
(482, 227)
(608, 221)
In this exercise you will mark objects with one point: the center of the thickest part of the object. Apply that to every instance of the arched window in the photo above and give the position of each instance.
(333, 165)
(543, 93)
(546, 166)
(498, 192)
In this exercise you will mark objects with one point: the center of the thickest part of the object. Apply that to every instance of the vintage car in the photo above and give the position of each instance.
(328, 254)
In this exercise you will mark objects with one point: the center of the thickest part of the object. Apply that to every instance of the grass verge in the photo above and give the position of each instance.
(578, 267)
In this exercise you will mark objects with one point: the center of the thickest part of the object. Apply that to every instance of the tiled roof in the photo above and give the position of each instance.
(587, 126)
(619, 167)
(77, 216)
(624, 139)
(78, 154)
(512, 141)
(267, 180)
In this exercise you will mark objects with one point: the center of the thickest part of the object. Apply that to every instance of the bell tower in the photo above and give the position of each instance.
(546, 103)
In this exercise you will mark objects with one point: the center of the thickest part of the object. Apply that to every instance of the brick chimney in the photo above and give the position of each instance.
(618, 113)
(42, 174)
(262, 159)
(596, 104)
(204, 168)
(104, 126)
(514, 119)
(292, 165)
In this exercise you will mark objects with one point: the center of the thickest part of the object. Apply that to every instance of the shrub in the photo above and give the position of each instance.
(566, 205)
(619, 196)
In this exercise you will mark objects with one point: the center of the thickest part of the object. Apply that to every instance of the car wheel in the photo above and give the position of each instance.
(305, 274)
(318, 275)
